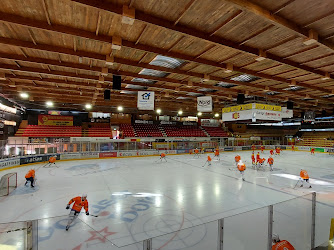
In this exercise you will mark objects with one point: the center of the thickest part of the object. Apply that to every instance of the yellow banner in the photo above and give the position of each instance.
(55, 120)
(237, 108)
(250, 106)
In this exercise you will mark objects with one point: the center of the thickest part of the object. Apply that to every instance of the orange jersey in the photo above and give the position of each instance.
(262, 160)
(312, 150)
(52, 159)
(253, 157)
(241, 167)
(304, 175)
(209, 158)
(271, 152)
(257, 156)
(31, 173)
(283, 245)
(217, 153)
(196, 151)
(277, 150)
(162, 155)
(293, 146)
(262, 147)
(237, 158)
(270, 161)
(78, 204)
(253, 147)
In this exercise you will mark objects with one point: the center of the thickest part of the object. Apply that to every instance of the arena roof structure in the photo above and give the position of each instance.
(67, 52)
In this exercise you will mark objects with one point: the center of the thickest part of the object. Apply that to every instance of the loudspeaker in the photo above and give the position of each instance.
(241, 99)
(107, 94)
(289, 105)
(117, 82)
(323, 113)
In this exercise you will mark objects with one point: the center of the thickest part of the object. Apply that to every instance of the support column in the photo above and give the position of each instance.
(270, 225)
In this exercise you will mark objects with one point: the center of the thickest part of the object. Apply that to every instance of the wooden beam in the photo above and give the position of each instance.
(319, 18)
(144, 17)
(283, 6)
(228, 20)
(91, 35)
(302, 51)
(257, 33)
(141, 34)
(98, 24)
(32, 36)
(45, 8)
(186, 8)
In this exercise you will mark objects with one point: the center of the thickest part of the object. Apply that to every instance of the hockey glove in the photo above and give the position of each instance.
(87, 213)
(68, 206)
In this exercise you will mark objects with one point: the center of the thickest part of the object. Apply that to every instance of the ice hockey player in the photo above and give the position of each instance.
(293, 147)
(281, 244)
(30, 176)
(163, 157)
(52, 160)
(271, 163)
(271, 152)
(253, 160)
(202, 150)
(237, 158)
(261, 163)
(241, 167)
(304, 178)
(217, 154)
(253, 148)
(262, 148)
(208, 161)
(79, 203)
(196, 153)
(312, 151)
(278, 151)
(257, 157)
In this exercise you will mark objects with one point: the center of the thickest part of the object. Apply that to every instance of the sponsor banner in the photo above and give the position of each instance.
(255, 138)
(228, 149)
(167, 123)
(147, 152)
(267, 107)
(145, 100)
(170, 152)
(90, 139)
(304, 148)
(66, 156)
(283, 147)
(209, 150)
(143, 122)
(32, 159)
(267, 115)
(126, 153)
(237, 108)
(210, 123)
(319, 150)
(182, 151)
(287, 113)
(107, 154)
(238, 148)
(55, 120)
(89, 155)
(269, 147)
(4, 163)
(246, 148)
(236, 116)
(204, 103)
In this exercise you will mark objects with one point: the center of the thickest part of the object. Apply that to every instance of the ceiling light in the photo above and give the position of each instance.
(88, 106)
(49, 104)
(216, 115)
(180, 112)
(158, 111)
(24, 95)
(199, 113)
(120, 108)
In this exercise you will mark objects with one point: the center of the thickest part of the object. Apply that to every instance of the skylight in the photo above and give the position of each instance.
(167, 62)
(130, 86)
(293, 88)
(245, 78)
(225, 84)
(194, 94)
(272, 93)
(207, 90)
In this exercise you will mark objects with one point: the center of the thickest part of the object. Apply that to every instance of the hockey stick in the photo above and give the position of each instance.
(90, 214)
(296, 184)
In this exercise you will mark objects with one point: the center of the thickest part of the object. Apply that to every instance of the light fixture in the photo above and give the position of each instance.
(158, 111)
(216, 115)
(88, 106)
(180, 112)
(120, 108)
(199, 113)
(49, 104)
(24, 95)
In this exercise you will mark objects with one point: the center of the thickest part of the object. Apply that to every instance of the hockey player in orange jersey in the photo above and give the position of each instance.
(253, 148)
(253, 160)
(196, 153)
(271, 163)
(262, 148)
(278, 151)
(304, 177)
(293, 147)
(241, 167)
(237, 158)
(208, 161)
(163, 157)
(261, 163)
(30, 176)
(79, 203)
(257, 157)
(271, 152)
(217, 154)
(312, 151)
(281, 244)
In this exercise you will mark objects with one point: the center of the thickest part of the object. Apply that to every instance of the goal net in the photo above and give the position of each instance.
(8, 183)
(331, 151)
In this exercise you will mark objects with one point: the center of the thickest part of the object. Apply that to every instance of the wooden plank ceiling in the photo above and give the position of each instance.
(64, 51)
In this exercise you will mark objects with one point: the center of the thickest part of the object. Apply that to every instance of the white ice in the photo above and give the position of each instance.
(176, 203)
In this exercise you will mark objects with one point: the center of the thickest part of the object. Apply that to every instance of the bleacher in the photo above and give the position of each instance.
(49, 131)
(316, 139)
(127, 130)
(99, 130)
(183, 131)
(215, 132)
(147, 130)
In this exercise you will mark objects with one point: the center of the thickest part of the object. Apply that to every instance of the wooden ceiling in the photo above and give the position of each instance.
(57, 50)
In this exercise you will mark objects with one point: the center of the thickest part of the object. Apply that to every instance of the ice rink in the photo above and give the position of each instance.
(140, 197)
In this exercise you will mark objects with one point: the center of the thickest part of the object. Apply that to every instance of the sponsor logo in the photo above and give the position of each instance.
(108, 154)
(228, 148)
(203, 103)
(9, 163)
(235, 115)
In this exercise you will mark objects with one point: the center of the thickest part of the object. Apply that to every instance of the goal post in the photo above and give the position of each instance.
(8, 183)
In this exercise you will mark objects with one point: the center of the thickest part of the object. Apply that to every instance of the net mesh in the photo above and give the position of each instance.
(8, 183)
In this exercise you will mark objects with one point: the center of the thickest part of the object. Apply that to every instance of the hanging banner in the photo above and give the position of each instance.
(55, 120)
(145, 100)
(204, 103)
(251, 106)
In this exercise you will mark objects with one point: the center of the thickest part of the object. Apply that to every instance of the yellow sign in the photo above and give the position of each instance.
(55, 120)
(250, 106)
(237, 108)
